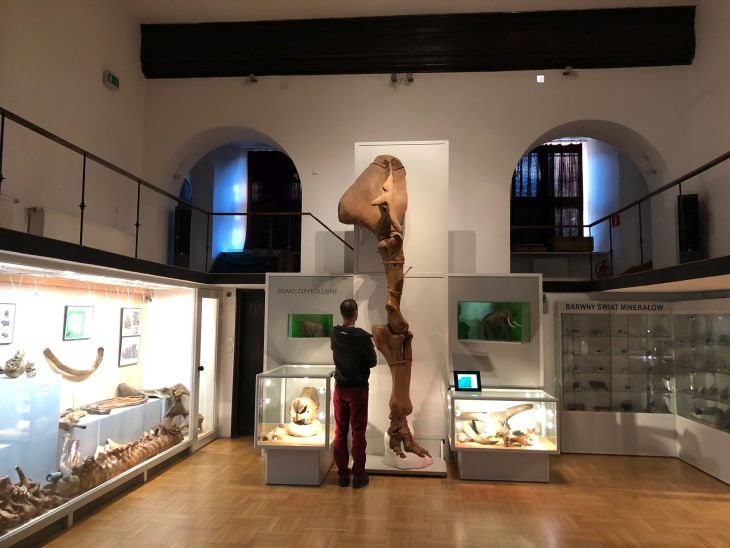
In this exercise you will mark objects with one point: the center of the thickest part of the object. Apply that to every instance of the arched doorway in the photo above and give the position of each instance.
(250, 174)
(570, 177)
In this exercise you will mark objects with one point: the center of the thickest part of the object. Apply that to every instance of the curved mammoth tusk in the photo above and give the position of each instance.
(512, 323)
(72, 373)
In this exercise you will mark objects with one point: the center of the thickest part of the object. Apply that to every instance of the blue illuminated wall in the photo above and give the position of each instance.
(230, 191)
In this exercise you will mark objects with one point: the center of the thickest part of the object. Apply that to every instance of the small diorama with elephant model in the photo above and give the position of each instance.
(310, 326)
(493, 321)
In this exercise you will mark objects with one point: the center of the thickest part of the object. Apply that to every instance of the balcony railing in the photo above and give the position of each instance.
(591, 227)
(138, 182)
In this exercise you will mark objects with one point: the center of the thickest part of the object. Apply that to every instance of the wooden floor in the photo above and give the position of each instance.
(217, 496)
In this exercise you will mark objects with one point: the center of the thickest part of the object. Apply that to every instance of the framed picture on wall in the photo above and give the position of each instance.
(7, 322)
(77, 323)
(130, 321)
(129, 350)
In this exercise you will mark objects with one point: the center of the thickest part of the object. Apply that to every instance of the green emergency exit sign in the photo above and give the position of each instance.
(111, 80)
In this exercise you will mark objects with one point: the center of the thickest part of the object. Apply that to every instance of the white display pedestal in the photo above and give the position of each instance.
(295, 466)
(375, 464)
(503, 466)
(613, 433)
(412, 465)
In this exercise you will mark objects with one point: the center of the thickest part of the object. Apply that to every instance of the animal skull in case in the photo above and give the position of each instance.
(303, 414)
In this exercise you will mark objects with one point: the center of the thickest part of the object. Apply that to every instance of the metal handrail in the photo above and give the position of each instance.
(6, 114)
(636, 203)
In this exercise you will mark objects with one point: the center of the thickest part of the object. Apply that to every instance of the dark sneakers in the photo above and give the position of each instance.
(343, 481)
(360, 481)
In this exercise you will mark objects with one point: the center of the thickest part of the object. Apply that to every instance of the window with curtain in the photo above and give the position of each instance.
(547, 190)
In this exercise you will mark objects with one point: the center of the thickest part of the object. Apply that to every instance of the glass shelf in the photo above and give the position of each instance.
(702, 347)
(617, 351)
(696, 394)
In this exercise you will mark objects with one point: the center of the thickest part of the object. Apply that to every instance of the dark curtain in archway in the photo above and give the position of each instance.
(547, 190)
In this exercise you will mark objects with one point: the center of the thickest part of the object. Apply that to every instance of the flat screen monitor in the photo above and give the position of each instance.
(467, 381)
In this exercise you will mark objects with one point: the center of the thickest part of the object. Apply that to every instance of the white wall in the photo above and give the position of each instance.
(488, 119)
(611, 180)
(52, 56)
(709, 128)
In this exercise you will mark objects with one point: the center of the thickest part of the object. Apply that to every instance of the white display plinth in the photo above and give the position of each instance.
(507, 466)
(376, 465)
(294, 466)
(613, 433)
(704, 447)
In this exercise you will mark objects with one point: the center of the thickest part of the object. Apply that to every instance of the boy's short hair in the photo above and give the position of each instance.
(348, 308)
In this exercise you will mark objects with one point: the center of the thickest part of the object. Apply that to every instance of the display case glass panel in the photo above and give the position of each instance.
(294, 407)
(702, 343)
(310, 326)
(617, 362)
(504, 420)
(493, 321)
(71, 418)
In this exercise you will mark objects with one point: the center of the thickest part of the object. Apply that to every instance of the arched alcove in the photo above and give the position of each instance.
(233, 170)
(616, 166)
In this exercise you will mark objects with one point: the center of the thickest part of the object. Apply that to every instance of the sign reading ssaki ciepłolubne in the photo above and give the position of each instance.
(628, 307)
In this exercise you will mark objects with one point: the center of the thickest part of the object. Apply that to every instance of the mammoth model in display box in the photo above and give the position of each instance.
(378, 200)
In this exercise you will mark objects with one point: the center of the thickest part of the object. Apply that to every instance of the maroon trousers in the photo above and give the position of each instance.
(351, 407)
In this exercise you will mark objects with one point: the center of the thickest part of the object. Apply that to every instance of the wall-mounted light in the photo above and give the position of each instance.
(401, 79)
(252, 78)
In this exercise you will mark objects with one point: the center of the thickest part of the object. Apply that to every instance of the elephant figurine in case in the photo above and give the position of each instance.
(497, 325)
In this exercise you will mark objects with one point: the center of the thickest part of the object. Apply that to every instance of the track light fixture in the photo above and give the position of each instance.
(252, 78)
(402, 79)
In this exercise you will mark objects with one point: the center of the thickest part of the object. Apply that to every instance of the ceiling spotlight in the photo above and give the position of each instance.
(569, 71)
(409, 79)
(394, 79)
(540, 79)
(252, 78)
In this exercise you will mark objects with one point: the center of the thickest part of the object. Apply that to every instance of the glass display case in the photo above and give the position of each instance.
(702, 343)
(617, 362)
(505, 419)
(493, 321)
(294, 407)
(93, 383)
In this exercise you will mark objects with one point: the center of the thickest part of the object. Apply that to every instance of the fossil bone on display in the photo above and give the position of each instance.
(22, 501)
(497, 324)
(110, 460)
(489, 428)
(71, 373)
(303, 414)
(178, 406)
(17, 365)
(378, 200)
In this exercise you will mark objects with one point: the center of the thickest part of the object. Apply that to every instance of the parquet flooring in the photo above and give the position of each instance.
(217, 497)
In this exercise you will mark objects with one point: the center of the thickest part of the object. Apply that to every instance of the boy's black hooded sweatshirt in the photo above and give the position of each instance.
(354, 354)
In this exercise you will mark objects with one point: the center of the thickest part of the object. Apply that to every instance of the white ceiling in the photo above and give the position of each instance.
(198, 11)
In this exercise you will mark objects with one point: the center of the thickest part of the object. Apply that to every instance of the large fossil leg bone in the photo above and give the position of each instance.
(378, 200)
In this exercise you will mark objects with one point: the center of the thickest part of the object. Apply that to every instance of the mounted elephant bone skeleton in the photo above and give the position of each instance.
(498, 324)
(488, 428)
(377, 200)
